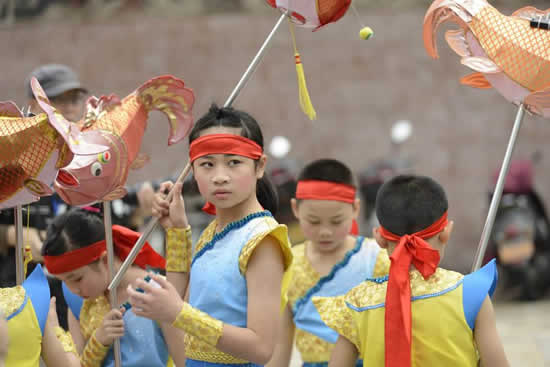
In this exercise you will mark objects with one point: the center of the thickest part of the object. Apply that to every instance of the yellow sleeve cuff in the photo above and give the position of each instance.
(337, 316)
(66, 340)
(199, 324)
(94, 353)
(178, 250)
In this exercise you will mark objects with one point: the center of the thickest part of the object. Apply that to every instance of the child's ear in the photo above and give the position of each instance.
(260, 167)
(294, 206)
(445, 235)
(382, 242)
(356, 208)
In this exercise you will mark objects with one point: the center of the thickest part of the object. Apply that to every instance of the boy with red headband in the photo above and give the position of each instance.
(419, 315)
(331, 262)
(238, 269)
(75, 252)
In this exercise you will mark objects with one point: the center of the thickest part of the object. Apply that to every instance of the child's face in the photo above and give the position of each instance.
(89, 281)
(226, 180)
(3, 339)
(325, 223)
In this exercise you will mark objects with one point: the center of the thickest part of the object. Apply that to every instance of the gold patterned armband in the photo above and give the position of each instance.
(66, 340)
(94, 353)
(199, 324)
(178, 250)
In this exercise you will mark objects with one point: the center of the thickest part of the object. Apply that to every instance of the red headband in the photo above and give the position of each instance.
(224, 144)
(325, 190)
(123, 241)
(410, 249)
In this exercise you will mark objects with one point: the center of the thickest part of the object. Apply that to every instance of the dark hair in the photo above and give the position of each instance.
(407, 204)
(230, 117)
(72, 230)
(327, 170)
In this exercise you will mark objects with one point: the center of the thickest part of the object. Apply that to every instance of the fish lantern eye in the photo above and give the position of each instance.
(104, 157)
(96, 169)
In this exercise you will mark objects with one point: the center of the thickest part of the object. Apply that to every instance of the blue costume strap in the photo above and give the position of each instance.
(38, 290)
(477, 286)
(306, 297)
(73, 301)
(231, 226)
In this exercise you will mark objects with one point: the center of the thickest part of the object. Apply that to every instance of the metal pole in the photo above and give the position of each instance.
(108, 222)
(19, 248)
(495, 201)
(153, 222)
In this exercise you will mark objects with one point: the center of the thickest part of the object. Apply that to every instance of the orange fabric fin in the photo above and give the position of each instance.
(476, 80)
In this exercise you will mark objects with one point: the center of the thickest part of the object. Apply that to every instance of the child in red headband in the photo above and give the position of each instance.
(231, 313)
(419, 315)
(331, 261)
(75, 252)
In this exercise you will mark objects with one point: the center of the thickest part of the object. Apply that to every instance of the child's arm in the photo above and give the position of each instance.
(57, 347)
(175, 340)
(344, 354)
(74, 329)
(263, 277)
(488, 341)
(283, 349)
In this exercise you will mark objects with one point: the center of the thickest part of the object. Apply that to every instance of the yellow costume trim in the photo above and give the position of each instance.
(178, 250)
(312, 348)
(11, 299)
(200, 351)
(338, 316)
(92, 314)
(382, 266)
(94, 353)
(66, 340)
(199, 324)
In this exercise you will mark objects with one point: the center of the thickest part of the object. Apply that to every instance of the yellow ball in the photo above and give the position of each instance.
(366, 33)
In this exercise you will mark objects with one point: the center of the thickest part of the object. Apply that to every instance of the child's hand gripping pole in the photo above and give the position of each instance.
(145, 235)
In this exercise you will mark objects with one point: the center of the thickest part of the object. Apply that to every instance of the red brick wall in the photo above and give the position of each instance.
(359, 88)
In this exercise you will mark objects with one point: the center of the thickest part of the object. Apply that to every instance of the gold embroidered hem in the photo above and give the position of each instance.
(11, 299)
(304, 276)
(92, 313)
(66, 340)
(198, 350)
(178, 250)
(199, 324)
(312, 348)
(337, 316)
(94, 353)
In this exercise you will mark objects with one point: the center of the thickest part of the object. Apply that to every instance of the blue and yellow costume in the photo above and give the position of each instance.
(143, 343)
(26, 309)
(444, 310)
(313, 338)
(218, 280)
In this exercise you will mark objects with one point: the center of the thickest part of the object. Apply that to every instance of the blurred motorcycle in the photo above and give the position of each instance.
(520, 239)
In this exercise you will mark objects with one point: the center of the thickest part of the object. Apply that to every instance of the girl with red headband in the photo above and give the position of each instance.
(419, 315)
(75, 252)
(331, 261)
(238, 275)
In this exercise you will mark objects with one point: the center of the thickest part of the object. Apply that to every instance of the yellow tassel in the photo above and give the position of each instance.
(305, 100)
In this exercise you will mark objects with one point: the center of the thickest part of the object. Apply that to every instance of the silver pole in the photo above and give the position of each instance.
(495, 201)
(19, 248)
(108, 222)
(153, 222)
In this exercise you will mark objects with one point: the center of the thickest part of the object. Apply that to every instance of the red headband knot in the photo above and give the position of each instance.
(123, 241)
(413, 249)
(224, 144)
